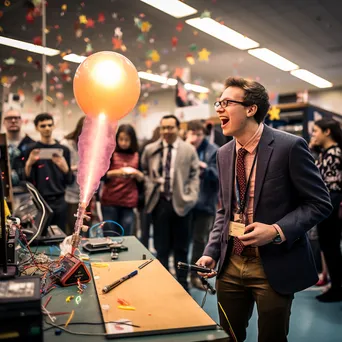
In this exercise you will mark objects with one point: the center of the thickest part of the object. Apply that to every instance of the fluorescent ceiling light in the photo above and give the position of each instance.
(72, 57)
(175, 8)
(157, 78)
(196, 88)
(223, 33)
(274, 59)
(309, 77)
(28, 46)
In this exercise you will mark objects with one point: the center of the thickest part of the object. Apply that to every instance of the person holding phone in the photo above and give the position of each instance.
(120, 190)
(50, 173)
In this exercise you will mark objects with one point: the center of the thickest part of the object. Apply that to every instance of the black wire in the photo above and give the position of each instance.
(204, 298)
(89, 323)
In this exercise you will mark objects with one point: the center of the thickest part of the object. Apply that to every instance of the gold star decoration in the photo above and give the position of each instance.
(145, 26)
(203, 55)
(274, 113)
(143, 108)
(155, 56)
(82, 19)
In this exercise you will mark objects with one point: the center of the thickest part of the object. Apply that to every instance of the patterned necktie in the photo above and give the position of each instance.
(167, 184)
(241, 178)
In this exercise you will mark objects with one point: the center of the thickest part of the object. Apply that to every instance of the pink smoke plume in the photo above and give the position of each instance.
(95, 147)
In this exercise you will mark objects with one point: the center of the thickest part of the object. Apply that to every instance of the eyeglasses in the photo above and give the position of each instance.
(167, 128)
(11, 118)
(226, 103)
(45, 125)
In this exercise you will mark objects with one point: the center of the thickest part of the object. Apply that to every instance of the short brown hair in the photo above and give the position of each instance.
(196, 125)
(255, 93)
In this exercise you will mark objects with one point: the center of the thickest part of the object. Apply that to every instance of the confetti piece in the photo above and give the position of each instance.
(101, 18)
(9, 61)
(124, 307)
(174, 41)
(69, 298)
(155, 56)
(7, 3)
(190, 59)
(274, 113)
(29, 59)
(118, 33)
(179, 27)
(203, 55)
(64, 7)
(90, 23)
(145, 26)
(206, 14)
(82, 19)
(99, 264)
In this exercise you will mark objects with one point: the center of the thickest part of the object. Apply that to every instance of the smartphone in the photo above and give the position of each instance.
(48, 153)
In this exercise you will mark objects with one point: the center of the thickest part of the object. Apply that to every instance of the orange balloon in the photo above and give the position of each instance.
(107, 83)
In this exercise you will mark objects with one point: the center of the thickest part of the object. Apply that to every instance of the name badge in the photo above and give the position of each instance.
(236, 228)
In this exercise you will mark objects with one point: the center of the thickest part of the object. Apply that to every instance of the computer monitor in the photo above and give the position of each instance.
(35, 215)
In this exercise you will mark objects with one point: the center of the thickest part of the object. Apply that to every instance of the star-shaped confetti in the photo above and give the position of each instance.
(78, 33)
(101, 18)
(155, 56)
(9, 61)
(137, 22)
(274, 113)
(203, 55)
(82, 19)
(29, 59)
(193, 47)
(179, 27)
(64, 7)
(49, 67)
(117, 43)
(145, 26)
(174, 41)
(143, 108)
(190, 59)
(37, 40)
(90, 23)
(141, 38)
(118, 33)
(89, 49)
(205, 14)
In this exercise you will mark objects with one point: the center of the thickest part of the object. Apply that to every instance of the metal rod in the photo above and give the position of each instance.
(44, 85)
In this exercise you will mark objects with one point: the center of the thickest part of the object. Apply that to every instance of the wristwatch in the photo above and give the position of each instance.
(278, 238)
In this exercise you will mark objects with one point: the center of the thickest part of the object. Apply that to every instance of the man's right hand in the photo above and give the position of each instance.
(33, 157)
(208, 262)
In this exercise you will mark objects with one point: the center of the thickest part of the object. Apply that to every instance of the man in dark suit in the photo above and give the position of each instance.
(271, 194)
(171, 169)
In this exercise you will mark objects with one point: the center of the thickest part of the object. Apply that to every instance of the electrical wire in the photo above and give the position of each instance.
(204, 298)
(230, 327)
(107, 221)
(53, 325)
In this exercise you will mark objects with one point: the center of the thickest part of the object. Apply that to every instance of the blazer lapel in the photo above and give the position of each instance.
(264, 155)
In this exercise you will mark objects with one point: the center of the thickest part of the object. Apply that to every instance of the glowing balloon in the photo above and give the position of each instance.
(106, 83)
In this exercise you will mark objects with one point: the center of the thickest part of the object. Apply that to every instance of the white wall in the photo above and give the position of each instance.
(327, 99)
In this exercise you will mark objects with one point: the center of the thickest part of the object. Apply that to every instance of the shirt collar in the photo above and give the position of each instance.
(174, 145)
(253, 142)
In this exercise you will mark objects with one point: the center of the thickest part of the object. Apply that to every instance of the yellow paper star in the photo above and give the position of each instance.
(64, 7)
(145, 26)
(29, 59)
(155, 56)
(203, 55)
(143, 108)
(274, 113)
(83, 19)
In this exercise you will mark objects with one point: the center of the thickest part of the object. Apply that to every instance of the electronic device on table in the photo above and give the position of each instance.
(96, 245)
(35, 215)
(20, 310)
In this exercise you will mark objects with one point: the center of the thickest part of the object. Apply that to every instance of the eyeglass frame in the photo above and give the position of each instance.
(243, 103)
(11, 118)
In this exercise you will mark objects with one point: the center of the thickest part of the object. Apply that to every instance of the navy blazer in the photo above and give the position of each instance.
(290, 192)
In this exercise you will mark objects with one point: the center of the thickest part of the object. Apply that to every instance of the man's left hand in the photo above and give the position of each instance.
(61, 163)
(258, 234)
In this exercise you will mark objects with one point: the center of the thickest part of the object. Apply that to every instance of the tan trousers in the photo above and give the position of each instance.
(242, 283)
